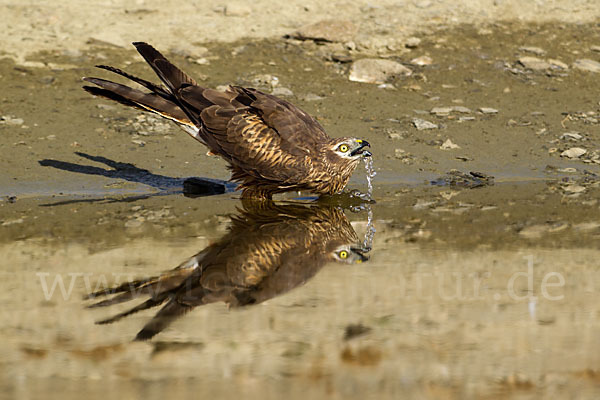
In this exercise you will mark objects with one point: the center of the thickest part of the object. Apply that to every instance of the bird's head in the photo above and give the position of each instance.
(350, 148)
(350, 254)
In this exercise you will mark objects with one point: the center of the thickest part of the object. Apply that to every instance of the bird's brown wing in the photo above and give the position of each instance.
(259, 134)
(263, 137)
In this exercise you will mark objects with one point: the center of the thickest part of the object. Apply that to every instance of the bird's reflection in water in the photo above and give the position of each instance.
(268, 250)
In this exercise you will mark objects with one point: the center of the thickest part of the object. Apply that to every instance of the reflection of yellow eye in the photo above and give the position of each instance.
(343, 148)
(343, 254)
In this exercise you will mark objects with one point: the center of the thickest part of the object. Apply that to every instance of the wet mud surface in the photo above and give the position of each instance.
(483, 276)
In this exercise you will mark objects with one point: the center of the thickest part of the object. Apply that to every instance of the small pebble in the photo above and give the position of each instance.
(534, 63)
(488, 110)
(412, 42)
(532, 49)
(448, 145)
(573, 152)
(8, 120)
(422, 124)
(588, 65)
(557, 64)
(386, 86)
(422, 61)
(574, 188)
(441, 110)
(373, 70)
(571, 136)
(461, 109)
(282, 91)
(312, 97)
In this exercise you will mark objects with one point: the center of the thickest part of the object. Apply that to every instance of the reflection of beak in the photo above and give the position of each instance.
(361, 254)
(359, 150)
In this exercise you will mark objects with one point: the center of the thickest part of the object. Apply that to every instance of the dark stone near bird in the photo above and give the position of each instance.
(206, 186)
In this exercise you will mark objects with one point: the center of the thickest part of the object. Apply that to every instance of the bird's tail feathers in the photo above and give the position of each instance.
(152, 102)
(169, 74)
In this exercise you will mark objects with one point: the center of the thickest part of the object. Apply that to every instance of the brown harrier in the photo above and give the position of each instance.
(268, 250)
(271, 145)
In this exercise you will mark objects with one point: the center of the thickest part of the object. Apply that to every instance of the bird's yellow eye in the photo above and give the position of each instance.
(343, 148)
(343, 254)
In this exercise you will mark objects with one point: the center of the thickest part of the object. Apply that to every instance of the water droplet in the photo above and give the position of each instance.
(370, 174)
(370, 232)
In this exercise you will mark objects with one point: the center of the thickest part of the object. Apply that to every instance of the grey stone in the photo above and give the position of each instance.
(488, 110)
(571, 136)
(534, 63)
(574, 188)
(282, 91)
(8, 120)
(461, 109)
(422, 61)
(373, 70)
(441, 110)
(330, 30)
(449, 145)
(412, 42)
(532, 49)
(573, 152)
(557, 64)
(422, 124)
(312, 97)
(586, 64)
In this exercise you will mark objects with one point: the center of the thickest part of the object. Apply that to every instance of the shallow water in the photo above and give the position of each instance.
(466, 288)
(452, 302)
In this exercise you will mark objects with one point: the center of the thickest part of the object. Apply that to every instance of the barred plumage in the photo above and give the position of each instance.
(268, 250)
(271, 145)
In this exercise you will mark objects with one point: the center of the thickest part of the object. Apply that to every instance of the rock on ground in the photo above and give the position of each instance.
(329, 30)
(534, 63)
(373, 70)
(586, 64)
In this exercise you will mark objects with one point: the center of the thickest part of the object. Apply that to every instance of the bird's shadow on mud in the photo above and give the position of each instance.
(193, 187)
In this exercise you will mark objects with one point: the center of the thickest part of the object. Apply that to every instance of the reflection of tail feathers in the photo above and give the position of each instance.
(153, 302)
(169, 313)
(160, 289)
(127, 290)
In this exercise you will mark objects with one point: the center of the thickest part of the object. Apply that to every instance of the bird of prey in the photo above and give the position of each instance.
(271, 145)
(268, 250)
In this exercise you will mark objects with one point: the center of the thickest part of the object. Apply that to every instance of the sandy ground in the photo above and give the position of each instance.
(91, 189)
(30, 26)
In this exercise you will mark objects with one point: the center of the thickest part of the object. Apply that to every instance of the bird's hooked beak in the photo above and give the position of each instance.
(361, 254)
(360, 149)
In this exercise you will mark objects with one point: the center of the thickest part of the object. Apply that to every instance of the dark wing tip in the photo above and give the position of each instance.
(136, 44)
